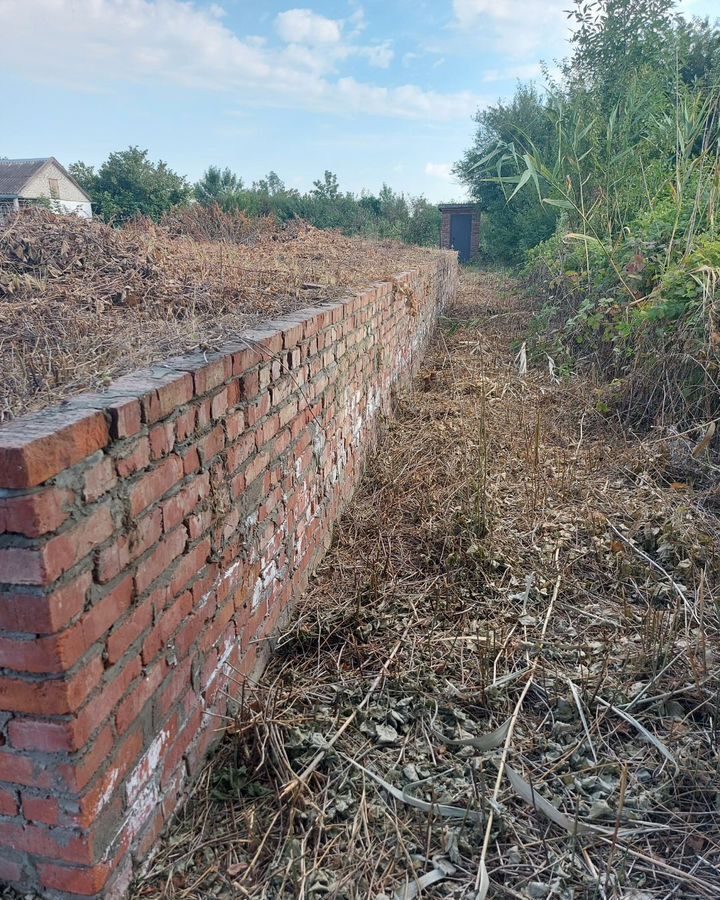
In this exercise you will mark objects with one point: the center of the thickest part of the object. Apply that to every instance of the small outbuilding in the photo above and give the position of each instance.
(460, 229)
(23, 181)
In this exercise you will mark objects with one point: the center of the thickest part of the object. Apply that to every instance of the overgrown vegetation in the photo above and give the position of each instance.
(605, 186)
(128, 184)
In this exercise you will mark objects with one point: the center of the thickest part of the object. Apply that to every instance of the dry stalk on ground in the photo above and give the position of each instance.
(492, 494)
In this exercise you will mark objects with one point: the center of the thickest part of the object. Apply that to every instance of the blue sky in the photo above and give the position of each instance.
(375, 91)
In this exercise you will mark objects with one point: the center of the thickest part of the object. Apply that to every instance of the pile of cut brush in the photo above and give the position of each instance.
(504, 680)
(82, 302)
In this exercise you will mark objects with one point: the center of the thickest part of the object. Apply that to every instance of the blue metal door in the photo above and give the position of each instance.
(460, 228)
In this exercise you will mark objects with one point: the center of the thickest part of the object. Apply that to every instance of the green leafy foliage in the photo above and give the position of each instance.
(618, 167)
(128, 184)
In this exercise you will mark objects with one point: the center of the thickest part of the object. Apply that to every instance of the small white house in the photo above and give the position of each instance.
(25, 180)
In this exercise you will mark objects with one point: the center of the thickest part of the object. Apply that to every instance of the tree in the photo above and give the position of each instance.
(509, 228)
(84, 175)
(328, 188)
(217, 186)
(128, 184)
(615, 39)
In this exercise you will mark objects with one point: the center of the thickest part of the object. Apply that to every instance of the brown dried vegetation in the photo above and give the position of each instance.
(505, 675)
(82, 302)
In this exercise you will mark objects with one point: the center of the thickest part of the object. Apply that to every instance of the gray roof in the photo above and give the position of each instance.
(15, 174)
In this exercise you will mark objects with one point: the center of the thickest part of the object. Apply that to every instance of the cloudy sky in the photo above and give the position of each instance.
(375, 90)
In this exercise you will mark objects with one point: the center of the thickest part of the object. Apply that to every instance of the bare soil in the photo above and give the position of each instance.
(503, 681)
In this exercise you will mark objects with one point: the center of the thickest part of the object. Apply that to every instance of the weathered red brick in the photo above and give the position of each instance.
(128, 547)
(8, 802)
(44, 809)
(35, 514)
(85, 881)
(125, 418)
(34, 448)
(27, 566)
(18, 769)
(99, 479)
(53, 843)
(59, 653)
(50, 696)
(128, 631)
(10, 871)
(180, 505)
(23, 610)
(151, 486)
(164, 554)
(135, 459)
(142, 690)
(162, 439)
(45, 736)
(211, 444)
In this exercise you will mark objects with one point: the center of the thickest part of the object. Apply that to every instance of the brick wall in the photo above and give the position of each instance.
(151, 537)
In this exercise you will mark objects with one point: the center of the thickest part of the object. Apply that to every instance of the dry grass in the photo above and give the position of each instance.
(82, 303)
(512, 561)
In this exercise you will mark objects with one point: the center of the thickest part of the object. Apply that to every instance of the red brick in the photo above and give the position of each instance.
(172, 392)
(127, 632)
(190, 566)
(76, 775)
(249, 385)
(121, 757)
(125, 419)
(212, 374)
(256, 466)
(113, 559)
(162, 439)
(50, 697)
(41, 809)
(59, 653)
(8, 802)
(185, 424)
(191, 460)
(99, 707)
(256, 411)
(142, 690)
(176, 683)
(219, 404)
(267, 431)
(19, 769)
(10, 871)
(234, 425)
(34, 448)
(43, 736)
(211, 444)
(135, 460)
(86, 881)
(152, 485)
(20, 565)
(239, 452)
(180, 505)
(167, 625)
(99, 479)
(167, 551)
(203, 414)
(35, 514)
(53, 843)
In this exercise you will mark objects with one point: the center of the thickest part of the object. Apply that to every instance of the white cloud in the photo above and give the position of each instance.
(90, 44)
(524, 72)
(378, 55)
(517, 27)
(443, 171)
(303, 26)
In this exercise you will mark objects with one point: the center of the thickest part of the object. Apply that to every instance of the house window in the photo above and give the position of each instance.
(54, 188)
